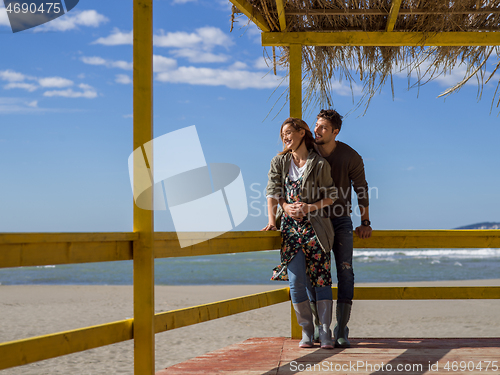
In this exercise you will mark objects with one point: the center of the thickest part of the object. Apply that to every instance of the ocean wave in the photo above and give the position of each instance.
(427, 253)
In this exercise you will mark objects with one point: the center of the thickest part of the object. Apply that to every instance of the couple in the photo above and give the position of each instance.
(309, 200)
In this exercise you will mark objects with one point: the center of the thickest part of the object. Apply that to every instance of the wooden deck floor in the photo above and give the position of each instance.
(279, 355)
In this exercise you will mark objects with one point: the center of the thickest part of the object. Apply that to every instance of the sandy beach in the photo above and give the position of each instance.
(32, 310)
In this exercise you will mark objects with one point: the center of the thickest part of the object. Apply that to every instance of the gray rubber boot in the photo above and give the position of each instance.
(315, 320)
(325, 317)
(341, 332)
(304, 318)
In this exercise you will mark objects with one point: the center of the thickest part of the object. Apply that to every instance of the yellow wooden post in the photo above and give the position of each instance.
(144, 353)
(295, 80)
(295, 75)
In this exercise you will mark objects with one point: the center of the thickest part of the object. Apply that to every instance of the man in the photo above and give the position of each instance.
(347, 169)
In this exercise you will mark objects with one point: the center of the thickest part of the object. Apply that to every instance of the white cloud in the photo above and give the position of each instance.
(203, 37)
(235, 79)
(162, 63)
(87, 92)
(18, 105)
(238, 65)
(183, 1)
(96, 60)
(21, 85)
(56, 82)
(123, 79)
(71, 21)
(196, 56)
(128, 116)
(4, 18)
(116, 38)
(11, 76)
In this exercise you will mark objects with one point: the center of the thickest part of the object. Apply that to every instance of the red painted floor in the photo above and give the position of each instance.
(279, 355)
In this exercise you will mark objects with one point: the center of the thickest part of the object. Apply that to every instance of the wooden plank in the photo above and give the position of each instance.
(143, 249)
(281, 14)
(19, 238)
(46, 253)
(37, 250)
(393, 15)
(21, 352)
(295, 80)
(380, 38)
(426, 293)
(202, 313)
(382, 12)
(252, 13)
(166, 244)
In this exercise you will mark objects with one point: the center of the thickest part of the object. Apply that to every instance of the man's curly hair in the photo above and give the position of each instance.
(332, 116)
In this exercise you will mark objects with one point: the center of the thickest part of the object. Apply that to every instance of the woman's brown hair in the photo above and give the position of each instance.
(298, 125)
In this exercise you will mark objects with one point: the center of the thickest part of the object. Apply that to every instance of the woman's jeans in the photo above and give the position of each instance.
(342, 252)
(300, 284)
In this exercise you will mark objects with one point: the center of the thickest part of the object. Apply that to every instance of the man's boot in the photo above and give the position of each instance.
(304, 318)
(341, 332)
(315, 320)
(325, 318)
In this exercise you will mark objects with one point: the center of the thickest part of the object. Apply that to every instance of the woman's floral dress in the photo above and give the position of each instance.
(299, 235)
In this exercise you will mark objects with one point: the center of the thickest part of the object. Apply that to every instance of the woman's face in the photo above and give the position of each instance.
(291, 137)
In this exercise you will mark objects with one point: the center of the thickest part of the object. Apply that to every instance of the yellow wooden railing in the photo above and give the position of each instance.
(31, 249)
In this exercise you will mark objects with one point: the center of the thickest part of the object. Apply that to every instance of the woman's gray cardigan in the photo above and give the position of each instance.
(317, 184)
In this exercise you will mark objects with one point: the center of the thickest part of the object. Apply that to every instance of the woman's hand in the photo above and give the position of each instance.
(269, 227)
(296, 210)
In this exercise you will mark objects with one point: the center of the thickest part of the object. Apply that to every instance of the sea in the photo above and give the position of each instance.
(370, 265)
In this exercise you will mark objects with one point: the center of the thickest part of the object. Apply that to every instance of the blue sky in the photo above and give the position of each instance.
(66, 123)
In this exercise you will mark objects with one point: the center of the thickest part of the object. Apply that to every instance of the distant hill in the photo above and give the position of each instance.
(486, 225)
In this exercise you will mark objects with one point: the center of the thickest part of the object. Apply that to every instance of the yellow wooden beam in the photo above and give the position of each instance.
(144, 348)
(393, 15)
(425, 293)
(202, 313)
(280, 7)
(22, 352)
(295, 83)
(38, 249)
(252, 13)
(167, 245)
(430, 239)
(362, 38)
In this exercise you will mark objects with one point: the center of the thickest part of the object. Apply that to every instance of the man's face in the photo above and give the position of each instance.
(324, 132)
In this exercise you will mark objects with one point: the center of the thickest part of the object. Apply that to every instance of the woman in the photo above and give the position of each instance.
(300, 185)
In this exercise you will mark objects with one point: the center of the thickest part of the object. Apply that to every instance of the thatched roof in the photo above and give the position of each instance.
(374, 65)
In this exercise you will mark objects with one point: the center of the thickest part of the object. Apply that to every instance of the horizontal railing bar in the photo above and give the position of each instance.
(425, 293)
(203, 313)
(18, 238)
(39, 249)
(22, 352)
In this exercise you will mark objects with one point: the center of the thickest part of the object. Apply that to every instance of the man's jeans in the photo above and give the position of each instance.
(300, 284)
(342, 252)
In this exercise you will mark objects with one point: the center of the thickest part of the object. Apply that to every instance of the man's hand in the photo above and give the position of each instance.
(364, 231)
(296, 210)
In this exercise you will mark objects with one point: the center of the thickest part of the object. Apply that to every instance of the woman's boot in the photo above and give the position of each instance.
(325, 318)
(315, 321)
(341, 332)
(304, 318)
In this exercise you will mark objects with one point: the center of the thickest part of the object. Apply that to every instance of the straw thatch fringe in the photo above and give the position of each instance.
(375, 66)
